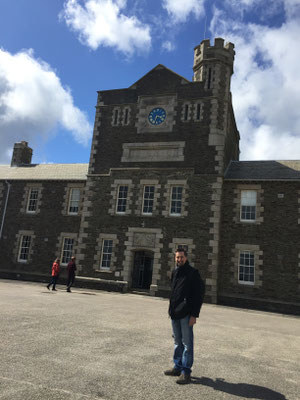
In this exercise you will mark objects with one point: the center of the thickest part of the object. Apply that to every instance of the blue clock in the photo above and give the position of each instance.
(157, 116)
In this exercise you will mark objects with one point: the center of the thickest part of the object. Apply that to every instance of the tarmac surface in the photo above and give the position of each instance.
(99, 345)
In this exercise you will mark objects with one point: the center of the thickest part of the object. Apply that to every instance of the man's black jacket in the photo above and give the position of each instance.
(187, 286)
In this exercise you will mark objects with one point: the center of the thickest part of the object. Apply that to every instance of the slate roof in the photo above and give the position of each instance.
(263, 170)
(67, 172)
(159, 67)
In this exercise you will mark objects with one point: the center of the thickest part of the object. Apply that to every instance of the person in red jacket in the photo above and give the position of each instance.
(55, 274)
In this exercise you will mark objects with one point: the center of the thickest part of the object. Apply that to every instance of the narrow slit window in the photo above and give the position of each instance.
(198, 111)
(186, 112)
(126, 116)
(209, 78)
(116, 115)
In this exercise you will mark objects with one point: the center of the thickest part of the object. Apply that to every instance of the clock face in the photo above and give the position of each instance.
(157, 116)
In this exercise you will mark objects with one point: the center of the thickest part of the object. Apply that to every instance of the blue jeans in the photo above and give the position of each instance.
(183, 344)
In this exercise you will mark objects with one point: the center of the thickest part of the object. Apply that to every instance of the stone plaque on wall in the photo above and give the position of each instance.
(144, 239)
(153, 152)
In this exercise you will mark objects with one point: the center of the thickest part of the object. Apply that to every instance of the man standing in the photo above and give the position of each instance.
(185, 303)
(71, 268)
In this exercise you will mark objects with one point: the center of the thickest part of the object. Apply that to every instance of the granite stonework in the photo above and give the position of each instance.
(191, 150)
(275, 235)
(46, 227)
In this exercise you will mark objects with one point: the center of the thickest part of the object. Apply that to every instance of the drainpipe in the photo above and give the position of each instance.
(5, 206)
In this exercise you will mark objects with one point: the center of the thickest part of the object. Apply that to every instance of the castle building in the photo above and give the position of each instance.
(164, 172)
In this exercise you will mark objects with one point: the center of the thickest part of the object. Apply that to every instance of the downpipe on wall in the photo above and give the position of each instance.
(5, 207)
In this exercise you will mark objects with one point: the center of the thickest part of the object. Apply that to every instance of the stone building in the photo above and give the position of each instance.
(164, 173)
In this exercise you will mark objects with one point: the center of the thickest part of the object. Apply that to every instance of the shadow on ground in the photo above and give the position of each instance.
(241, 390)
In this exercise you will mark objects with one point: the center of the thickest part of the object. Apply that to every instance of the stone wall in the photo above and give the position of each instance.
(274, 238)
(46, 226)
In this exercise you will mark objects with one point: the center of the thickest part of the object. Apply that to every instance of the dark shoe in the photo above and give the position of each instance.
(54, 289)
(69, 290)
(184, 379)
(172, 372)
(48, 287)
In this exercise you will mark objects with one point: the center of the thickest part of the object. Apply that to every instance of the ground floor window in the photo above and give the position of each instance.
(246, 267)
(67, 250)
(24, 248)
(107, 249)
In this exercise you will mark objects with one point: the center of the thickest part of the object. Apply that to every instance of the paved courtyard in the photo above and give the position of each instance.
(99, 345)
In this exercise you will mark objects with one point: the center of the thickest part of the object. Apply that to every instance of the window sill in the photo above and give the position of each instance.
(246, 283)
(107, 271)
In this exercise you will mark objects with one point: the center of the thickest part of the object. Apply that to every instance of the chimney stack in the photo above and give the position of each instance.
(22, 154)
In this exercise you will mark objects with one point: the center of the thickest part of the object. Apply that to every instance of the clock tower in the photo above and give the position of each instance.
(159, 151)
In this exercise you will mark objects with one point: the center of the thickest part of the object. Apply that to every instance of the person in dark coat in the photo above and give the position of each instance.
(71, 268)
(55, 274)
(186, 299)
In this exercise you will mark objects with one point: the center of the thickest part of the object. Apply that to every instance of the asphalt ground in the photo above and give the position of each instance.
(99, 345)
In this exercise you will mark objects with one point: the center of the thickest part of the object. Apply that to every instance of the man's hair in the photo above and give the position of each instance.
(181, 250)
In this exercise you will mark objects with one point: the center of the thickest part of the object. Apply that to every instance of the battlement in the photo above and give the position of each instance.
(204, 52)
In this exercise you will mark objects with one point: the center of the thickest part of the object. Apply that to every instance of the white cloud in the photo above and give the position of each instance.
(168, 46)
(101, 23)
(33, 103)
(265, 84)
(180, 10)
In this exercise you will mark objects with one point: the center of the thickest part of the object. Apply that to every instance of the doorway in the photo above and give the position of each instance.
(142, 270)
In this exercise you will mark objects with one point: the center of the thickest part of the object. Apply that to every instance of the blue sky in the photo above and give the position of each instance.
(56, 54)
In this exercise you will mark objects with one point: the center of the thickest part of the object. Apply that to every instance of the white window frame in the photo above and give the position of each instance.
(32, 200)
(22, 246)
(148, 201)
(66, 259)
(72, 201)
(121, 199)
(251, 257)
(248, 200)
(106, 256)
(176, 200)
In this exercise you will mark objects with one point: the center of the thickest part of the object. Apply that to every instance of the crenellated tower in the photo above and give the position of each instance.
(213, 65)
(210, 60)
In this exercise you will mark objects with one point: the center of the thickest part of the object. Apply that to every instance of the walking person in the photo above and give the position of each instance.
(55, 274)
(185, 303)
(71, 268)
